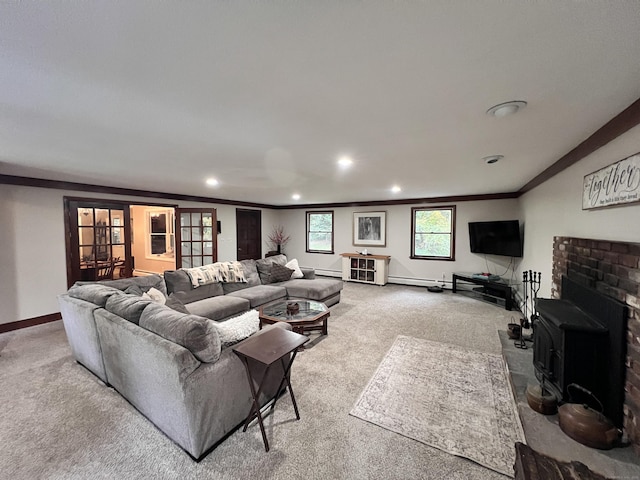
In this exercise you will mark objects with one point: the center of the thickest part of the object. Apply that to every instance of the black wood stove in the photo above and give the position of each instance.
(581, 338)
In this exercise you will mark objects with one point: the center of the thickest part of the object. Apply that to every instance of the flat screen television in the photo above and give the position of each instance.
(496, 238)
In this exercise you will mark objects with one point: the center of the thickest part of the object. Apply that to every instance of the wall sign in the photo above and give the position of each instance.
(616, 184)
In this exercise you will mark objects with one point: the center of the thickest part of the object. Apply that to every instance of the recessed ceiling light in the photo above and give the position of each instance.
(212, 182)
(296, 196)
(492, 159)
(506, 108)
(396, 189)
(345, 161)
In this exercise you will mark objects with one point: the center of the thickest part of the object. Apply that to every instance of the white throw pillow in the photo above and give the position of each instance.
(155, 295)
(238, 328)
(293, 265)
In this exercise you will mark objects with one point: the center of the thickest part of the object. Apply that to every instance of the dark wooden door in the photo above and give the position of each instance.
(249, 234)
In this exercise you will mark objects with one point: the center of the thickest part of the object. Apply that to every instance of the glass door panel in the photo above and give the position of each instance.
(99, 233)
(197, 240)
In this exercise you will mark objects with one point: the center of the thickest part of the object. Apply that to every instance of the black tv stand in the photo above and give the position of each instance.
(492, 291)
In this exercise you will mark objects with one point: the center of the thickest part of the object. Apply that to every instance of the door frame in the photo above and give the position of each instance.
(71, 222)
(258, 213)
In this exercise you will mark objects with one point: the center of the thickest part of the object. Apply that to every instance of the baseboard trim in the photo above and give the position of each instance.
(29, 322)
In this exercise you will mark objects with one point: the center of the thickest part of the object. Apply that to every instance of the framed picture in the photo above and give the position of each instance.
(370, 229)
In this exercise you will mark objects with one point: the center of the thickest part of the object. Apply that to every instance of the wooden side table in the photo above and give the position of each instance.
(269, 348)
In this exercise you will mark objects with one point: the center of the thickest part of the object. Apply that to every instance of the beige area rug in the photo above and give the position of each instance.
(448, 397)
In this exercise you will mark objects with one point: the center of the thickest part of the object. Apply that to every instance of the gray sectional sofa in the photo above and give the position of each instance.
(175, 363)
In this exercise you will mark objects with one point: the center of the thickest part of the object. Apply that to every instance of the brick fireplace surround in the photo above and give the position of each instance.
(612, 268)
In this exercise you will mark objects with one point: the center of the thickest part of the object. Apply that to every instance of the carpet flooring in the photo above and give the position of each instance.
(455, 399)
(60, 422)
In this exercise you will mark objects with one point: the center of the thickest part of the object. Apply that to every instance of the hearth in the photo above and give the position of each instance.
(581, 338)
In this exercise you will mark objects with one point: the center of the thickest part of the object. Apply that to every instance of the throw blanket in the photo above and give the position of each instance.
(216, 272)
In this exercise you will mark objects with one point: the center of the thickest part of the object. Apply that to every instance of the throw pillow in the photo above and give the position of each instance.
(264, 271)
(134, 290)
(175, 303)
(127, 306)
(236, 329)
(293, 264)
(155, 296)
(280, 273)
(93, 292)
(197, 334)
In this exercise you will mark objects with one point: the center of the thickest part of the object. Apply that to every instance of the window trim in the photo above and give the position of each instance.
(308, 223)
(452, 257)
(169, 254)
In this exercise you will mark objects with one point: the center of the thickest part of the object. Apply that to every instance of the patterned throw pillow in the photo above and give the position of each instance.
(280, 273)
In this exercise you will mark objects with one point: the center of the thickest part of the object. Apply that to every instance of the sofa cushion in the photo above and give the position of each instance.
(280, 259)
(177, 281)
(127, 306)
(145, 282)
(134, 290)
(200, 293)
(233, 287)
(264, 271)
(316, 289)
(96, 293)
(236, 329)
(175, 303)
(251, 275)
(218, 308)
(250, 272)
(264, 267)
(280, 273)
(260, 294)
(197, 334)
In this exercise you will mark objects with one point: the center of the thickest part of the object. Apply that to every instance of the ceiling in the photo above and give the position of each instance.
(265, 96)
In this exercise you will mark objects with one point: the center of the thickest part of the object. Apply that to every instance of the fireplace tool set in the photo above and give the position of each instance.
(531, 284)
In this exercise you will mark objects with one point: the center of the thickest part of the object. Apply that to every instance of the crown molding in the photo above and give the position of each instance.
(621, 123)
(83, 187)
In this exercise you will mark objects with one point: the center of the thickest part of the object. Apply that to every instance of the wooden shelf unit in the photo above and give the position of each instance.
(372, 269)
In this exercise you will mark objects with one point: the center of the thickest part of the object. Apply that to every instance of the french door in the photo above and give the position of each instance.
(196, 237)
(97, 233)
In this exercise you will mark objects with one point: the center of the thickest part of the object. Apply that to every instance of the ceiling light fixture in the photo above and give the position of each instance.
(492, 159)
(212, 182)
(296, 196)
(345, 161)
(396, 189)
(506, 108)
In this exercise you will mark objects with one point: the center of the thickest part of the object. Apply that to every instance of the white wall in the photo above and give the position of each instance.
(555, 209)
(403, 269)
(32, 247)
(32, 253)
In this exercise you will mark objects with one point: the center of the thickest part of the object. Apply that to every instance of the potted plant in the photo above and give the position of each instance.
(278, 238)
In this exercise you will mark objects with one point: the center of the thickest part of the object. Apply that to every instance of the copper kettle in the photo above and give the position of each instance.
(585, 424)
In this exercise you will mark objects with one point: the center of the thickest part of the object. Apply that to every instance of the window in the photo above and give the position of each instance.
(160, 239)
(433, 233)
(320, 232)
